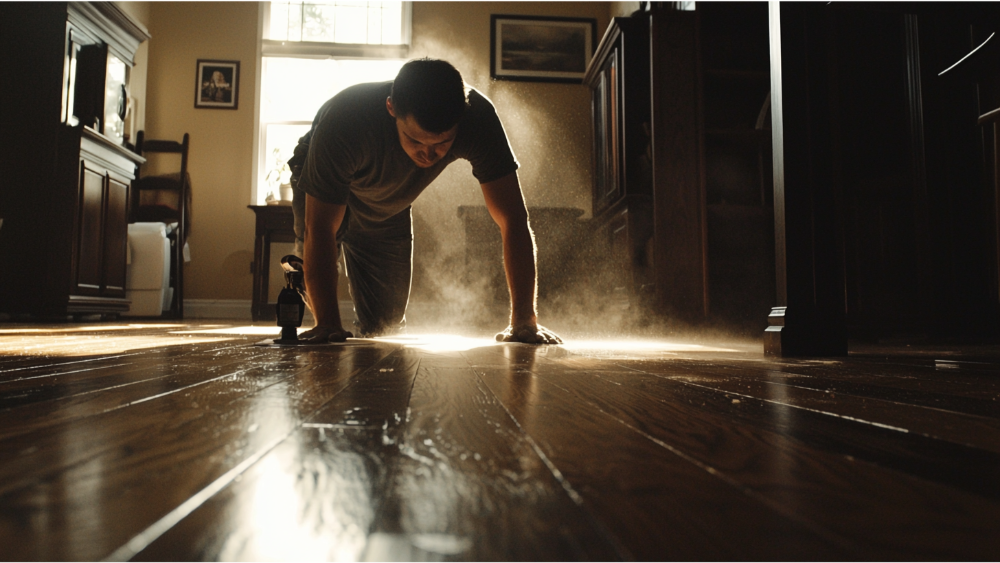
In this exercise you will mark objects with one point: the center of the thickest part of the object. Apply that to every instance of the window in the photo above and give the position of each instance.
(311, 51)
(371, 23)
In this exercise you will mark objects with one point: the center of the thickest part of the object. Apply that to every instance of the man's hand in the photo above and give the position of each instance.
(529, 334)
(321, 334)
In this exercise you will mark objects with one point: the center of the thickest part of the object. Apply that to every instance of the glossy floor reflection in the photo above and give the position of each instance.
(187, 441)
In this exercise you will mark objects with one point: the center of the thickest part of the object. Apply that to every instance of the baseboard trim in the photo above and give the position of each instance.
(237, 309)
(240, 309)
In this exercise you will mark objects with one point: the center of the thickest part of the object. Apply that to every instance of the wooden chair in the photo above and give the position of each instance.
(170, 202)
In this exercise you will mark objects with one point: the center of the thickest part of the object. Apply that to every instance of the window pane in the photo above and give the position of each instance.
(279, 21)
(280, 141)
(286, 21)
(318, 22)
(374, 26)
(392, 23)
(351, 24)
(340, 21)
(295, 11)
(294, 89)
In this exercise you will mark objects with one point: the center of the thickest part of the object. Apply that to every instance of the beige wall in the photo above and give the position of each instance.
(548, 125)
(221, 150)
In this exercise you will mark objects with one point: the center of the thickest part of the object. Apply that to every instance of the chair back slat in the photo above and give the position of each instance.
(143, 146)
(161, 146)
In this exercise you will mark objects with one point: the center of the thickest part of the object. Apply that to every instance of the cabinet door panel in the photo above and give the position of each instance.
(607, 152)
(89, 237)
(621, 257)
(115, 236)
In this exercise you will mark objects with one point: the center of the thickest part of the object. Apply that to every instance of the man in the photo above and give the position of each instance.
(372, 150)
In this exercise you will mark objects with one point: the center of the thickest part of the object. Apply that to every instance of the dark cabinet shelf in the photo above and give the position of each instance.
(67, 181)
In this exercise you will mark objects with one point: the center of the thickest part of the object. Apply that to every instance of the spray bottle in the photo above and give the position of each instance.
(291, 307)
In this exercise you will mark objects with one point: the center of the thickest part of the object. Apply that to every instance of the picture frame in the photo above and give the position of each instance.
(217, 84)
(541, 48)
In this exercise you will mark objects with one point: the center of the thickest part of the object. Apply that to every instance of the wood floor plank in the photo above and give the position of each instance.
(912, 391)
(164, 442)
(963, 420)
(55, 365)
(321, 485)
(41, 451)
(906, 352)
(311, 498)
(857, 403)
(890, 514)
(74, 343)
(62, 385)
(465, 471)
(199, 436)
(388, 478)
(258, 381)
(919, 377)
(927, 377)
(41, 366)
(152, 380)
(962, 467)
(918, 395)
(660, 503)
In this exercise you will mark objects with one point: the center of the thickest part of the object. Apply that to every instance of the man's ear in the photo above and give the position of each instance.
(388, 106)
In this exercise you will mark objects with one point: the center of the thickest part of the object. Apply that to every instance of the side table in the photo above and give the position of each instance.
(274, 224)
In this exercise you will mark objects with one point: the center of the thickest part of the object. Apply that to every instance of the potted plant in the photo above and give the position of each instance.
(278, 178)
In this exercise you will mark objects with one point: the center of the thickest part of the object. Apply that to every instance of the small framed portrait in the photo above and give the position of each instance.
(218, 84)
(539, 48)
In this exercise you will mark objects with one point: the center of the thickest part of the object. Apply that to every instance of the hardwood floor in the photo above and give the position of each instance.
(189, 442)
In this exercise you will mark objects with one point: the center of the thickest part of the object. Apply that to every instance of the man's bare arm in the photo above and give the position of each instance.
(320, 249)
(506, 205)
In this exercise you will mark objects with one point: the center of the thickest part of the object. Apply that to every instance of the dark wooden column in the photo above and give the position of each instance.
(809, 317)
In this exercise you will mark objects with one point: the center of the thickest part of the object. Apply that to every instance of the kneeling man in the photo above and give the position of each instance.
(373, 148)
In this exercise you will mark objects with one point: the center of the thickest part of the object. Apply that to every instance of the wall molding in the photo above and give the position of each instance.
(240, 309)
(217, 309)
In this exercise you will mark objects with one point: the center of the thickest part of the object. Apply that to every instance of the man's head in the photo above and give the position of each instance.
(428, 99)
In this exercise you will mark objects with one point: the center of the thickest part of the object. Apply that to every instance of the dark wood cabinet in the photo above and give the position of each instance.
(682, 183)
(618, 78)
(66, 182)
(868, 208)
(103, 225)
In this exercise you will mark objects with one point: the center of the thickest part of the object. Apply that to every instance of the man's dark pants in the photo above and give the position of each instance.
(379, 266)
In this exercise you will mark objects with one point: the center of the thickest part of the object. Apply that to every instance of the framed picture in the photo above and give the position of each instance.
(541, 48)
(218, 84)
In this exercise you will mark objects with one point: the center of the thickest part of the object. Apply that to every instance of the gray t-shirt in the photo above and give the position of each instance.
(355, 157)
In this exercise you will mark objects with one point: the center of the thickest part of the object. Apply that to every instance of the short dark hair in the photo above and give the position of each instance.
(432, 91)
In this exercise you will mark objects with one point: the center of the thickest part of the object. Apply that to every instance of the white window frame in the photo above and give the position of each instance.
(309, 50)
